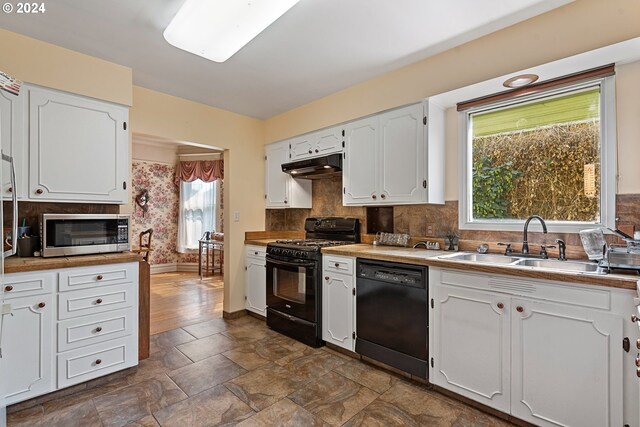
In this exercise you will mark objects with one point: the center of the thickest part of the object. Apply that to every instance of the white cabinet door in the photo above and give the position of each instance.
(276, 181)
(27, 349)
(566, 365)
(256, 280)
(360, 164)
(78, 148)
(337, 309)
(328, 141)
(470, 344)
(402, 156)
(12, 135)
(302, 147)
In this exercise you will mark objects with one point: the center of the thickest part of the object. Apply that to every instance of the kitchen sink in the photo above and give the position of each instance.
(488, 258)
(558, 265)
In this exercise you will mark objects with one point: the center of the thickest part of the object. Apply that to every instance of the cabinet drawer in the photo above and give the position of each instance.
(338, 264)
(87, 330)
(98, 276)
(92, 301)
(28, 284)
(86, 363)
(256, 251)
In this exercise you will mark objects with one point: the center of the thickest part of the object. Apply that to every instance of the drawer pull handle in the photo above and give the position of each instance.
(99, 277)
(337, 265)
(10, 189)
(638, 344)
(255, 253)
(519, 309)
(98, 361)
(638, 372)
(41, 305)
(99, 301)
(39, 191)
(500, 305)
(634, 318)
(8, 288)
(99, 329)
(326, 277)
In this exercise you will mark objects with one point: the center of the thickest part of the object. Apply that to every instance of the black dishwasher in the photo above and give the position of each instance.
(391, 314)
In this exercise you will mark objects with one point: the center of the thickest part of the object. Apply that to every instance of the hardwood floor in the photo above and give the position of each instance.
(182, 299)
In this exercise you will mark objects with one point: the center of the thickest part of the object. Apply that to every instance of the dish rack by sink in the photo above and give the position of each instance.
(391, 239)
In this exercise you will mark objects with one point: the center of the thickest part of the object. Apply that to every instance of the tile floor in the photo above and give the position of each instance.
(239, 372)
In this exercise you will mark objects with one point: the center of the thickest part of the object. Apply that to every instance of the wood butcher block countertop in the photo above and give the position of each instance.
(431, 258)
(16, 264)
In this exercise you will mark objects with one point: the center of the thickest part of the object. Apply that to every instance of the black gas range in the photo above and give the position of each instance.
(294, 277)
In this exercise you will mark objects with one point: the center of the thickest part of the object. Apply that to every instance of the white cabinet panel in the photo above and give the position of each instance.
(470, 344)
(360, 171)
(563, 351)
(316, 144)
(92, 301)
(387, 157)
(402, 155)
(255, 280)
(78, 148)
(338, 301)
(551, 363)
(12, 135)
(95, 277)
(281, 190)
(18, 285)
(27, 349)
(94, 361)
(92, 329)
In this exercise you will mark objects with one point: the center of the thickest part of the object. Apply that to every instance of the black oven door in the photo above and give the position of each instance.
(292, 286)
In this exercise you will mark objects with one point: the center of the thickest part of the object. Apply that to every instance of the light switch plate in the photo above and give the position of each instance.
(236, 216)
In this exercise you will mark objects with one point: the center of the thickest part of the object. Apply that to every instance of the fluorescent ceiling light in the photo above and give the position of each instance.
(217, 29)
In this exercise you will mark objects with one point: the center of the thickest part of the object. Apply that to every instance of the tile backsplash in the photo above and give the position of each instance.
(414, 219)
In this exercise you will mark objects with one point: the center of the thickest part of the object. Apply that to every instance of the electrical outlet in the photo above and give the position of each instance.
(431, 229)
(5, 308)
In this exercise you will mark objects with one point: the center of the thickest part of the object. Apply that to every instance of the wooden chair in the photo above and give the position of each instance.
(145, 246)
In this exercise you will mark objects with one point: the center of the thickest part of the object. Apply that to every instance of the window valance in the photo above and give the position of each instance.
(205, 170)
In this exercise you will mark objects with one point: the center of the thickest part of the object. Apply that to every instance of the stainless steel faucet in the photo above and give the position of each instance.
(525, 242)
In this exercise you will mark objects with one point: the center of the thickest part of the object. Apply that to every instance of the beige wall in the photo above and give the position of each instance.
(241, 137)
(153, 153)
(45, 64)
(575, 28)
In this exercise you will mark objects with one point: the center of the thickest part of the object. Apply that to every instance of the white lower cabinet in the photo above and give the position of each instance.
(471, 344)
(28, 349)
(255, 279)
(338, 301)
(88, 334)
(544, 352)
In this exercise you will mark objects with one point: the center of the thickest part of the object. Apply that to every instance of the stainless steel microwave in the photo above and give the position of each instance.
(82, 234)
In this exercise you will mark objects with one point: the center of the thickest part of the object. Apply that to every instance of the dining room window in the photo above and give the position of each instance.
(198, 212)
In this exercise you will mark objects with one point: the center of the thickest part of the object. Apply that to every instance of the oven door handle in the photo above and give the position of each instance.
(309, 264)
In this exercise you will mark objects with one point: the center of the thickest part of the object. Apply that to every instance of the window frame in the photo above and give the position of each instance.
(608, 162)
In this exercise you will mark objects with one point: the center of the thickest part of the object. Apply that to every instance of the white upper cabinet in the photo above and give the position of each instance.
(359, 172)
(388, 157)
(78, 148)
(316, 144)
(281, 190)
(12, 134)
(402, 156)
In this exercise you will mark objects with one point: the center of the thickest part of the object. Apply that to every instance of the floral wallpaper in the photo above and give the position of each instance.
(162, 212)
(162, 215)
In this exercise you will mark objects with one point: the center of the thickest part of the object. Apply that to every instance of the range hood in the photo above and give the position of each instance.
(315, 168)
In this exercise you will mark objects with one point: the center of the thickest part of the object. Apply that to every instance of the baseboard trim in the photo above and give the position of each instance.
(234, 314)
(164, 268)
(174, 266)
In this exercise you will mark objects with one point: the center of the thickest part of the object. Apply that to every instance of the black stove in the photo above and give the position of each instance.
(294, 272)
